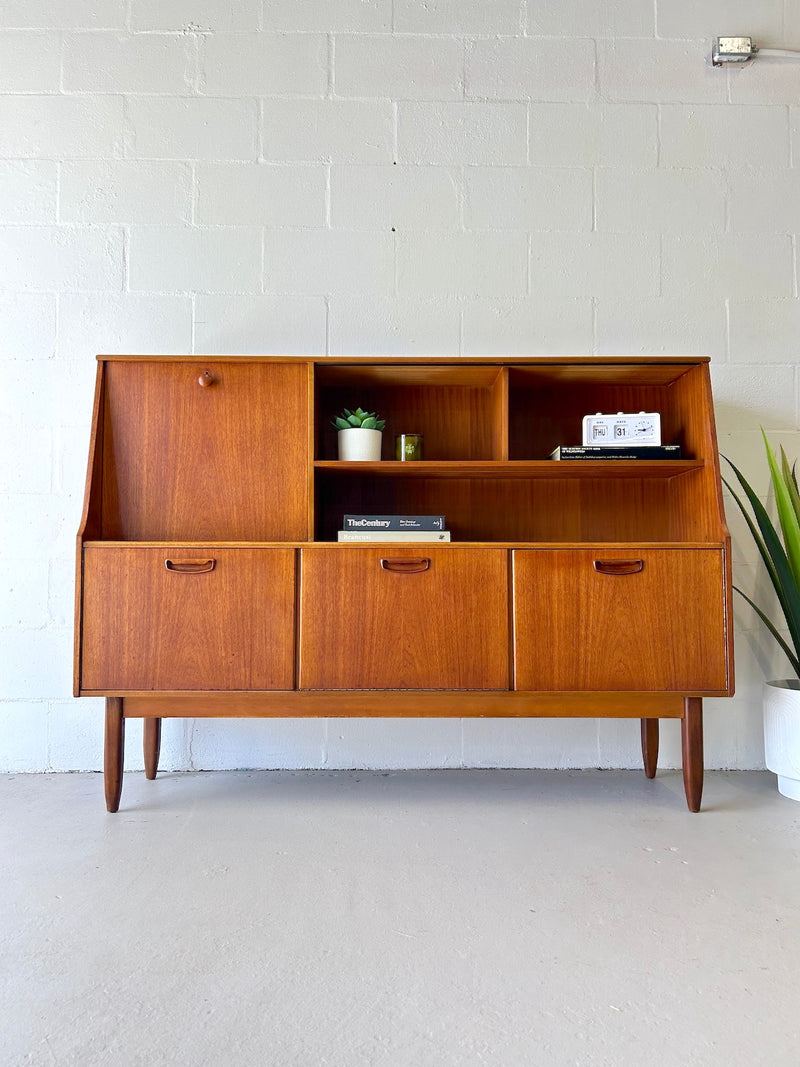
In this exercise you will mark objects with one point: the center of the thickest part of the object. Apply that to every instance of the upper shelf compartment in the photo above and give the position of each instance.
(547, 403)
(461, 410)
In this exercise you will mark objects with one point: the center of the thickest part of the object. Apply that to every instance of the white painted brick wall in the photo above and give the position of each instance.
(187, 128)
(109, 62)
(660, 200)
(263, 64)
(343, 16)
(242, 194)
(125, 191)
(528, 198)
(30, 61)
(526, 68)
(598, 134)
(28, 191)
(225, 259)
(404, 197)
(61, 127)
(393, 325)
(462, 133)
(56, 14)
(378, 177)
(399, 67)
(327, 131)
(194, 15)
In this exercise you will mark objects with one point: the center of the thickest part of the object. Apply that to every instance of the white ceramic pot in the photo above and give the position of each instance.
(357, 443)
(782, 734)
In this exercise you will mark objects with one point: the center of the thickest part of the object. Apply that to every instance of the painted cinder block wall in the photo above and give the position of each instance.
(375, 177)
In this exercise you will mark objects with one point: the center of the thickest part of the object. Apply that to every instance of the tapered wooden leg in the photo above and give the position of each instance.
(114, 752)
(650, 746)
(692, 745)
(152, 746)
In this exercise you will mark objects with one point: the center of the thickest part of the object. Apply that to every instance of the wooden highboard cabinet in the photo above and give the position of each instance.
(210, 581)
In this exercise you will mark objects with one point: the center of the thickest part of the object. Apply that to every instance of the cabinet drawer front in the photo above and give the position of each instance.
(619, 620)
(183, 619)
(402, 618)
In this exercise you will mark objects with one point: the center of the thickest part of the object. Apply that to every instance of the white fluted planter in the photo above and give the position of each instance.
(358, 443)
(782, 734)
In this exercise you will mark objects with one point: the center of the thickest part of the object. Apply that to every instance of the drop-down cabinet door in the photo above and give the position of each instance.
(206, 450)
(178, 618)
(403, 618)
(619, 620)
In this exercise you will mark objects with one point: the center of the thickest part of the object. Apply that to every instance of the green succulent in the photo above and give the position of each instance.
(358, 420)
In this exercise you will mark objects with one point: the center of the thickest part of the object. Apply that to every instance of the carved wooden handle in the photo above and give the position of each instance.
(206, 378)
(618, 566)
(406, 566)
(190, 566)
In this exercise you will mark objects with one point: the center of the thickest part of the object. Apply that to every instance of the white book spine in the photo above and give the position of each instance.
(394, 535)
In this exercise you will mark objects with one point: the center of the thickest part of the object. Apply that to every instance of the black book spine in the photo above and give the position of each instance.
(393, 522)
(621, 452)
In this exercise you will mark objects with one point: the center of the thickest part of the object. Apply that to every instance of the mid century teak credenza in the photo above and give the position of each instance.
(210, 581)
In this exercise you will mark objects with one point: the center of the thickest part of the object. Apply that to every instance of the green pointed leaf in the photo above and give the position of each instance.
(795, 662)
(786, 513)
(762, 548)
(773, 554)
(355, 421)
(369, 423)
(340, 424)
(790, 479)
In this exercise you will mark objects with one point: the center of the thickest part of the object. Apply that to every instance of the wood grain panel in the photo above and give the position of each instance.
(563, 507)
(662, 628)
(366, 627)
(146, 627)
(408, 703)
(205, 463)
(457, 422)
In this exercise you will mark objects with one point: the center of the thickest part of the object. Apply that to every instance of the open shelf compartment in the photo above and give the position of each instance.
(461, 412)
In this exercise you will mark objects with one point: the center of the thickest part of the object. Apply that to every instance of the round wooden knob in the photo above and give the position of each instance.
(206, 378)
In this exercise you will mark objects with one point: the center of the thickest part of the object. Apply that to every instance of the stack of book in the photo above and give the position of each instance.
(616, 452)
(393, 528)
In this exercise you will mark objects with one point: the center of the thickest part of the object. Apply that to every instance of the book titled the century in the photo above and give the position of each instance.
(619, 452)
(393, 522)
(393, 535)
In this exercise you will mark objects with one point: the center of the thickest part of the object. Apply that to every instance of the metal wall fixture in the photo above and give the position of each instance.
(725, 50)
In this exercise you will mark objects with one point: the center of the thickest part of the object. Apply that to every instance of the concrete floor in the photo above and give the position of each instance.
(403, 919)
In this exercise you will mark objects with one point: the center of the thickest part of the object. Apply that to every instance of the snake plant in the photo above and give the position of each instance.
(781, 557)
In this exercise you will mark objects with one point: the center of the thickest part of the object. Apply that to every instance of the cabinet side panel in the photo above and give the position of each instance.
(91, 517)
(698, 513)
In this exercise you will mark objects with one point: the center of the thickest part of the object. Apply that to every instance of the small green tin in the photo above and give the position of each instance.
(408, 446)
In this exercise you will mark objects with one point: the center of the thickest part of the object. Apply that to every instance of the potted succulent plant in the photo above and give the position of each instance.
(782, 560)
(359, 434)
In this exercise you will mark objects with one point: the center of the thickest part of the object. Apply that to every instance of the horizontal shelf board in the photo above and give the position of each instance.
(549, 469)
(440, 546)
(469, 377)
